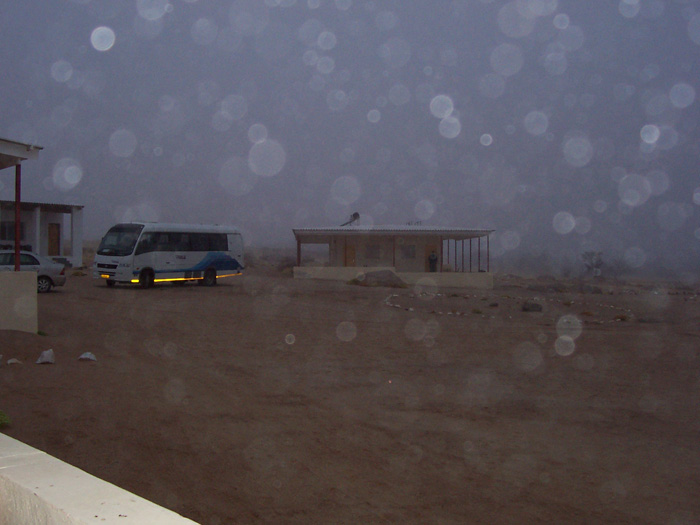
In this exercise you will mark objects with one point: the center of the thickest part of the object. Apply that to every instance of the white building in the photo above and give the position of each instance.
(44, 229)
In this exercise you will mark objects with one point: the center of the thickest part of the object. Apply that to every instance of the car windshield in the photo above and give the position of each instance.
(120, 240)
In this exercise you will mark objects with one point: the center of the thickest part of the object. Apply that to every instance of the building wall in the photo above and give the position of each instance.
(36, 231)
(406, 254)
(46, 219)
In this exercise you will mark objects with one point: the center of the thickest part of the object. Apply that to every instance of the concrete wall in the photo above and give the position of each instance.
(481, 280)
(18, 305)
(40, 489)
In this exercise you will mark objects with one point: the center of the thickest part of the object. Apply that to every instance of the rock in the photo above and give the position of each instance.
(87, 356)
(14, 361)
(47, 357)
(493, 305)
(531, 306)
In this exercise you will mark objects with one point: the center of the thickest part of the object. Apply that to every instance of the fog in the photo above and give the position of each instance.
(566, 126)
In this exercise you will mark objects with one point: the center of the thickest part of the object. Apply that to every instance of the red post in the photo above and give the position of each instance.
(18, 215)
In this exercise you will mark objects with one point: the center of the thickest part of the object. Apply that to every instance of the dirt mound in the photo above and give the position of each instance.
(379, 278)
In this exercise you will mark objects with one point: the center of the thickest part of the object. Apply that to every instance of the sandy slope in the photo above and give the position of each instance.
(268, 399)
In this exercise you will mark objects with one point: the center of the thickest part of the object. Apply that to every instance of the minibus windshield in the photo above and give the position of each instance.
(120, 240)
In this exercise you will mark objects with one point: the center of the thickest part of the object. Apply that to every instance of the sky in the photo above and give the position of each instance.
(566, 126)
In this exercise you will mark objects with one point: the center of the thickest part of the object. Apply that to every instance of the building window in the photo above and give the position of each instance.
(7, 231)
(408, 252)
(373, 251)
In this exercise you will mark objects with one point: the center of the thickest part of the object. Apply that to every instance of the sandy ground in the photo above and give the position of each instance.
(266, 399)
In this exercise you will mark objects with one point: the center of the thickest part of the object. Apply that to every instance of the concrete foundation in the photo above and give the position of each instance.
(481, 280)
(38, 488)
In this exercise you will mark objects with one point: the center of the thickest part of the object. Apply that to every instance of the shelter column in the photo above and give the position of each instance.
(478, 254)
(76, 236)
(488, 254)
(298, 252)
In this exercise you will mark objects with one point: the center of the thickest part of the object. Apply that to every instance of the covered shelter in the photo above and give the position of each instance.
(12, 153)
(18, 289)
(447, 256)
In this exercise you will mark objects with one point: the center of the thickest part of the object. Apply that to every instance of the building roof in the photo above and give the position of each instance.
(323, 235)
(45, 206)
(13, 152)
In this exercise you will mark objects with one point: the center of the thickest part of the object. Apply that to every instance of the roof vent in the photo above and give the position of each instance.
(353, 218)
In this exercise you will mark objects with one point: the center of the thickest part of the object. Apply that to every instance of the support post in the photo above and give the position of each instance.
(461, 267)
(441, 250)
(18, 215)
(470, 255)
(298, 252)
(455, 255)
(76, 236)
(488, 254)
(478, 254)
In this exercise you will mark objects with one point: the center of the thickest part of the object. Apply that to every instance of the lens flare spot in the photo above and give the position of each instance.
(102, 38)
(346, 331)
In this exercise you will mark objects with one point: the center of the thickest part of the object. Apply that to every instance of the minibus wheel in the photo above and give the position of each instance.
(209, 277)
(110, 283)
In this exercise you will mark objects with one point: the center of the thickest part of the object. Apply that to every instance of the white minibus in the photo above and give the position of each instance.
(145, 253)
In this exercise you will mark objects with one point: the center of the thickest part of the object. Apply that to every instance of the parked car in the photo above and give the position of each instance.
(48, 272)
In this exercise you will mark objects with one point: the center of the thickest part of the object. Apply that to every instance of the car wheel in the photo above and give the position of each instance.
(209, 277)
(146, 278)
(110, 283)
(43, 284)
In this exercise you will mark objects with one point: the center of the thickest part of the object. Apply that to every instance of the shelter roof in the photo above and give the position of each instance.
(324, 234)
(13, 152)
(45, 206)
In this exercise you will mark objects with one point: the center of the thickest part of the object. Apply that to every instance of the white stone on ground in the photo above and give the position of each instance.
(47, 357)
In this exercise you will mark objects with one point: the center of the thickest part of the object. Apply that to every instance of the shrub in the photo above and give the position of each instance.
(4, 419)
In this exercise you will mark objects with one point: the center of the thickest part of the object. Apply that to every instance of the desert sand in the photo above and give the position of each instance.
(266, 399)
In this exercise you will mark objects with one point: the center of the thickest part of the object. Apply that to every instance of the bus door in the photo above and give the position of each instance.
(184, 258)
(165, 261)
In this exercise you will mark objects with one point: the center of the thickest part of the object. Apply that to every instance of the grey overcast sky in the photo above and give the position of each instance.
(566, 125)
